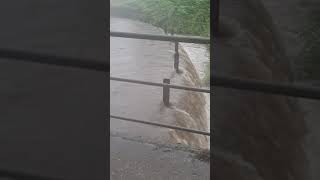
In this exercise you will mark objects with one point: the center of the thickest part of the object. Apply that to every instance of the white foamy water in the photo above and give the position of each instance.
(200, 57)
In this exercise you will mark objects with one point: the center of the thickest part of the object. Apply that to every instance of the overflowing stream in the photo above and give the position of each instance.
(153, 61)
(200, 58)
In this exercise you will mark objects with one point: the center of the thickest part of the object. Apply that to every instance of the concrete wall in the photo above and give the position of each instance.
(52, 119)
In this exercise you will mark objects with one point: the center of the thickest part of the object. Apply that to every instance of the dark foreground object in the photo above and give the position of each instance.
(52, 119)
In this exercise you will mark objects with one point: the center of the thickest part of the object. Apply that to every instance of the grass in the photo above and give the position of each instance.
(188, 17)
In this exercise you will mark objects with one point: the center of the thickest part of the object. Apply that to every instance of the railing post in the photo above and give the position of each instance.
(166, 92)
(176, 56)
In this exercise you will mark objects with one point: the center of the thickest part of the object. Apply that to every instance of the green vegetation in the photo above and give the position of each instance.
(190, 17)
(311, 49)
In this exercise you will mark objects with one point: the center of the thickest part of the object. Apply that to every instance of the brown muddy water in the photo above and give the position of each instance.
(153, 61)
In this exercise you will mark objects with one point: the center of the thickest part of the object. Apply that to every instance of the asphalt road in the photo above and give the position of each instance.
(146, 161)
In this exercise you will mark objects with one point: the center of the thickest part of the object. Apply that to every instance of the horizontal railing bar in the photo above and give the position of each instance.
(161, 125)
(161, 85)
(265, 87)
(89, 64)
(222, 81)
(22, 175)
(175, 38)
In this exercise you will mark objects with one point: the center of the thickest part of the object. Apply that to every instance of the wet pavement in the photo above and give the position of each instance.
(139, 60)
(145, 161)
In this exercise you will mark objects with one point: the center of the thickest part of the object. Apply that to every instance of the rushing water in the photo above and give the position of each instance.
(153, 61)
(200, 58)
(199, 55)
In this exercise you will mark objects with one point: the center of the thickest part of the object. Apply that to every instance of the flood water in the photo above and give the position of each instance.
(153, 61)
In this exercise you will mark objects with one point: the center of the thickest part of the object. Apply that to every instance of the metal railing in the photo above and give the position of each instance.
(48, 59)
(166, 87)
(103, 66)
(156, 37)
(279, 88)
(161, 125)
(166, 94)
(232, 82)
(176, 39)
(226, 82)
(166, 82)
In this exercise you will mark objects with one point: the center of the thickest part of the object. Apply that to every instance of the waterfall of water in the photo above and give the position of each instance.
(200, 58)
